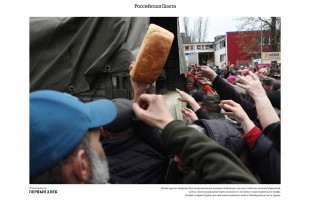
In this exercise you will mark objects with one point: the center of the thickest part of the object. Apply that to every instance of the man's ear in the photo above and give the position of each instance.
(104, 133)
(81, 167)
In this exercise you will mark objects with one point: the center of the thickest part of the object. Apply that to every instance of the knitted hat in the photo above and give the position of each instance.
(123, 117)
(189, 80)
(198, 95)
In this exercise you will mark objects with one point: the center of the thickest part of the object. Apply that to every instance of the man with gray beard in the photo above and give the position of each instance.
(64, 138)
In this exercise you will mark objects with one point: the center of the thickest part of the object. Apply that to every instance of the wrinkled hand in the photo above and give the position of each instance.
(212, 93)
(205, 81)
(153, 110)
(207, 72)
(137, 86)
(184, 97)
(234, 109)
(252, 85)
(189, 115)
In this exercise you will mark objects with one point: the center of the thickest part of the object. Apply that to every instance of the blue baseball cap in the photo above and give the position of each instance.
(58, 122)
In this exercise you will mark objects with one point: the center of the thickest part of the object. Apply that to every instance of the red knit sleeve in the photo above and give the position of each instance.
(251, 137)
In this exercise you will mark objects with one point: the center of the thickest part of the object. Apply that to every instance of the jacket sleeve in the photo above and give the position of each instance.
(149, 135)
(214, 164)
(226, 91)
(273, 132)
(266, 160)
(201, 114)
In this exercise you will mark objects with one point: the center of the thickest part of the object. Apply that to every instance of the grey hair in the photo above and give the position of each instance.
(99, 167)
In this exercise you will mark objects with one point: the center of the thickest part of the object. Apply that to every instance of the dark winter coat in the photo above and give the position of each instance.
(136, 157)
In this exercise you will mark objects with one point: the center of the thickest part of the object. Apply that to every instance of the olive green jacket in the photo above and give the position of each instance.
(212, 163)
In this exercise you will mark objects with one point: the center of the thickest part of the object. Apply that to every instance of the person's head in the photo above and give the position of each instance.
(245, 72)
(267, 83)
(239, 72)
(224, 69)
(198, 96)
(262, 72)
(211, 103)
(231, 67)
(276, 85)
(267, 70)
(64, 138)
(122, 124)
(189, 83)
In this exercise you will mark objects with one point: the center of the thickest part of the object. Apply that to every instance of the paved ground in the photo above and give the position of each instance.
(174, 104)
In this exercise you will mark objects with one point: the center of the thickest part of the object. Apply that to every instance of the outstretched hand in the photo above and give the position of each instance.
(252, 85)
(207, 72)
(153, 110)
(184, 97)
(234, 109)
(189, 115)
(264, 108)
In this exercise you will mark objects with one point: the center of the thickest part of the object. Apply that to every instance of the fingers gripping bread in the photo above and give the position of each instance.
(153, 54)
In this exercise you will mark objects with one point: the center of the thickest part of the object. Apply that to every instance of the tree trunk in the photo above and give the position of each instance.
(273, 37)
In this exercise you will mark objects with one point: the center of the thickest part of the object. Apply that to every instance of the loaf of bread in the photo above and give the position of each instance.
(153, 54)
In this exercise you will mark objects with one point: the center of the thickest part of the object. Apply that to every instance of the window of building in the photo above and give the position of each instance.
(198, 47)
(266, 40)
(255, 55)
(191, 47)
(222, 44)
(222, 57)
(186, 48)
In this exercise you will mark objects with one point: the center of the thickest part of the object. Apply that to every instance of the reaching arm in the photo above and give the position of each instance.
(138, 87)
(188, 99)
(211, 162)
(226, 91)
(262, 151)
(237, 111)
(214, 164)
(264, 109)
(189, 114)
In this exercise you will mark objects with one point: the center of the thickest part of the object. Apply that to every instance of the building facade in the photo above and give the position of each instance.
(220, 54)
(199, 53)
(239, 48)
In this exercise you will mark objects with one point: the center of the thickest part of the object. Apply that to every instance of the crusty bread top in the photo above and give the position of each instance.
(155, 28)
(153, 54)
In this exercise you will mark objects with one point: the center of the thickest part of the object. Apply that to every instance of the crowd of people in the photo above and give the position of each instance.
(230, 133)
